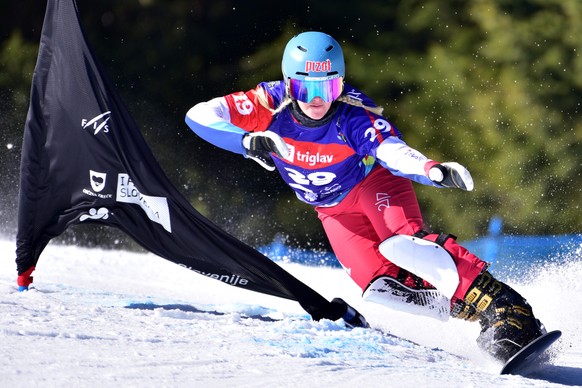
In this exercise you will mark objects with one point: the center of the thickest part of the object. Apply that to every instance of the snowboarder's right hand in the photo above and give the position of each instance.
(259, 146)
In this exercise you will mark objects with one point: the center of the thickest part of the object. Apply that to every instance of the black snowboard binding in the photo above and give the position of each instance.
(507, 320)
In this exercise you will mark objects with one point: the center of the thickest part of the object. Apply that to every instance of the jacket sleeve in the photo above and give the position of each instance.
(211, 121)
(395, 155)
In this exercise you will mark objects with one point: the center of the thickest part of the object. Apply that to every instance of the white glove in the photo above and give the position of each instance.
(259, 146)
(452, 175)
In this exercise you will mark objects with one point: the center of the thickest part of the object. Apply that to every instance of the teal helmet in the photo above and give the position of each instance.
(313, 66)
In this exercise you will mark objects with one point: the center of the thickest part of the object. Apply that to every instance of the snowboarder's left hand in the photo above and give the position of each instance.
(452, 175)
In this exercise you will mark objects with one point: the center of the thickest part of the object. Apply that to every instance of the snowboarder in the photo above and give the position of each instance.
(333, 147)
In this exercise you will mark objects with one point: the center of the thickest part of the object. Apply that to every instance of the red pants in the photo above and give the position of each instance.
(379, 207)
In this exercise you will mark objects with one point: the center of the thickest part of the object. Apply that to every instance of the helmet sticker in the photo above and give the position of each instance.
(317, 66)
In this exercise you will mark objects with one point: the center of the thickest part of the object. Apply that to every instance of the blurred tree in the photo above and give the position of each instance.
(503, 98)
(17, 59)
(495, 85)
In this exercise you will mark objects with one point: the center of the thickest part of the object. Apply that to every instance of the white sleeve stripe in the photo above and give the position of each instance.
(398, 156)
(210, 112)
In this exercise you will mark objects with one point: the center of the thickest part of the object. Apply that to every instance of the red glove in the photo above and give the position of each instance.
(25, 279)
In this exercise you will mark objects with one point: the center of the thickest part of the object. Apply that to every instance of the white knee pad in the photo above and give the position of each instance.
(425, 259)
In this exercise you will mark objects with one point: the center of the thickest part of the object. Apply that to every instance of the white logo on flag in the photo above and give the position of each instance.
(97, 123)
(97, 180)
(156, 208)
(94, 214)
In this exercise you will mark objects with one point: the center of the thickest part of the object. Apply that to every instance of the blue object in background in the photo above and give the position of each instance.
(509, 256)
(278, 251)
(491, 242)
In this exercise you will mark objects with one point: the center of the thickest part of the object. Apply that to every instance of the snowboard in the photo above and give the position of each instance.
(525, 359)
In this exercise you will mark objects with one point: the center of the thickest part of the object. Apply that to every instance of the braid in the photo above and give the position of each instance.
(264, 101)
(355, 102)
(286, 101)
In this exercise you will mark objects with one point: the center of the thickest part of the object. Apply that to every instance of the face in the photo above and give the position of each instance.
(314, 109)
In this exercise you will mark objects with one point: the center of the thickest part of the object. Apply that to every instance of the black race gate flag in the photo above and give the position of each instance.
(85, 160)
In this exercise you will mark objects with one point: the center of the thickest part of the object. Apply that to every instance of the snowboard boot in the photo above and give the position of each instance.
(506, 319)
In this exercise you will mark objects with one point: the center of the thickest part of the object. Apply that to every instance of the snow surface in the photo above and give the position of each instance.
(103, 318)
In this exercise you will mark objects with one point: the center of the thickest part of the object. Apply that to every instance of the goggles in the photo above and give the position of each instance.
(307, 90)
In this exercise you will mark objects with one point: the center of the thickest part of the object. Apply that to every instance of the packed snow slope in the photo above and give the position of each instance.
(108, 318)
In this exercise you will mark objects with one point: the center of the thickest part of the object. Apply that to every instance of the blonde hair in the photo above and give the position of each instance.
(345, 98)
